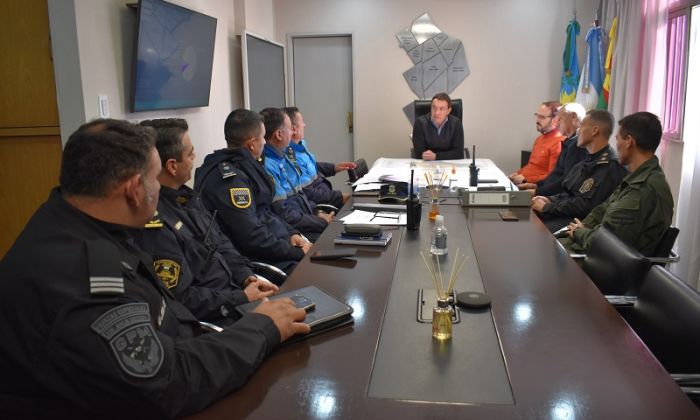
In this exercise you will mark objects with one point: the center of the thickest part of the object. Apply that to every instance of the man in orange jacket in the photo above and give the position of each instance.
(546, 149)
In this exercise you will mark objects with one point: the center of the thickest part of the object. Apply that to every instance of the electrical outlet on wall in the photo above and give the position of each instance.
(103, 101)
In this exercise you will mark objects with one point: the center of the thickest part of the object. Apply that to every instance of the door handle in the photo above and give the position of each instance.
(350, 128)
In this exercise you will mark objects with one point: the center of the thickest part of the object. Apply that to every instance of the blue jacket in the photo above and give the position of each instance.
(313, 175)
(290, 202)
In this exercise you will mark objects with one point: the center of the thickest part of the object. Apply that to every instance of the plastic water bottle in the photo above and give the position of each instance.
(438, 240)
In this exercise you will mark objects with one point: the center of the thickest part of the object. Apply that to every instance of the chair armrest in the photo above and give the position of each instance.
(327, 208)
(621, 300)
(209, 327)
(687, 379)
(269, 272)
(673, 258)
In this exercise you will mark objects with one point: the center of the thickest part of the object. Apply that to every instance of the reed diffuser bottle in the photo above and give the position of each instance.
(442, 320)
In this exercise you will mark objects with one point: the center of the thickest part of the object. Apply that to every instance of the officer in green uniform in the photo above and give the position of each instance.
(590, 182)
(640, 210)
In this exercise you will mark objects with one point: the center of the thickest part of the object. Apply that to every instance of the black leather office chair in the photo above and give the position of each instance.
(664, 253)
(615, 267)
(422, 107)
(524, 157)
(360, 170)
(666, 316)
(269, 272)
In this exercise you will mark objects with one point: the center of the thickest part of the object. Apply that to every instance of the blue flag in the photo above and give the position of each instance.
(570, 74)
(591, 84)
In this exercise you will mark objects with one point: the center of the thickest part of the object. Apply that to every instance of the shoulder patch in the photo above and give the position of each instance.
(226, 170)
(168, 271)
(240, 197)
(586, 186)
(604, 159)
(134, 342)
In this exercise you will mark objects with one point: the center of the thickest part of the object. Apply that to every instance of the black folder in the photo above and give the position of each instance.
(329, 312)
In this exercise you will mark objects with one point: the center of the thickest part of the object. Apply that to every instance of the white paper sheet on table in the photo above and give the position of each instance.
(371, 186)
(376, 218)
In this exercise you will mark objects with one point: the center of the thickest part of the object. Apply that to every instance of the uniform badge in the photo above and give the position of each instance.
(586, 186)
(240, 197)
(134, 342)
(155, 222)
(168, 271)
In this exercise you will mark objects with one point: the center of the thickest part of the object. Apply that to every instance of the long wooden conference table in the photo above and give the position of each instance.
(550, 346)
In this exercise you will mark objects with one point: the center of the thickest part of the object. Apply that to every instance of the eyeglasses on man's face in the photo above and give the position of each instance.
(543, 117)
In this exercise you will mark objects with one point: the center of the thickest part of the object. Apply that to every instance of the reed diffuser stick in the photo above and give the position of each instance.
(441, 291)
(432, 274)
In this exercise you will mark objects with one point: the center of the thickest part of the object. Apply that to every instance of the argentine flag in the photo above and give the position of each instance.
(591, 84)
(570, 74)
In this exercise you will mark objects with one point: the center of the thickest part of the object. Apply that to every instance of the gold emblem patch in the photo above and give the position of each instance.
(240, 197)
(586, 186)
(168, 271)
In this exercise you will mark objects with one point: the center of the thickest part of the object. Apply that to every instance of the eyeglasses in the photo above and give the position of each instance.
(543, 117)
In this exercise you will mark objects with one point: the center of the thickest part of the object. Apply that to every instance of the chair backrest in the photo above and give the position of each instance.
(666, 244)
(615, 267)
(422, 107)
(360, 170)
(666, 317)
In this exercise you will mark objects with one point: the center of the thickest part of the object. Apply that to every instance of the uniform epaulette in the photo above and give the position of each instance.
(155, 222)
(226, 170)
(106, 268)
(604, 159)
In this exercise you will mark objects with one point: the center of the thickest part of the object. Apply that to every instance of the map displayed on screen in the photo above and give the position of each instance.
(174, 57)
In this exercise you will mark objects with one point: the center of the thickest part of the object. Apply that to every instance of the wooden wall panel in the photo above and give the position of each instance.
(27, 90)
(30, 168)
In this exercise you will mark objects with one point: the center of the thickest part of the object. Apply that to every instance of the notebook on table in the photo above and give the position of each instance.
(381, 239)
(327, 313)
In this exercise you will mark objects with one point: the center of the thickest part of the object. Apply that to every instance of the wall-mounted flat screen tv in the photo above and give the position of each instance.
(173, 57)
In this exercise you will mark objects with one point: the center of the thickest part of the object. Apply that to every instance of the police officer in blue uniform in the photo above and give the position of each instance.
(191, 256)
(591, 181)
(88, 328)
(313, 173)
(289, 202)
(234, 182)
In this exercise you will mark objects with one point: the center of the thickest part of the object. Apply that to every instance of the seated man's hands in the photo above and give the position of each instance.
(539, 202)
(346, 197)
(429, 155)
(257, 289)
(527, 186)
(299, 242)
(285, 315)
(344, 166)
(516, 178)
(573, 226)
(327, 217)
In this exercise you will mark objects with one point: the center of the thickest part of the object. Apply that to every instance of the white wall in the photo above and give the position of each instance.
(514, 49)
(105, 32)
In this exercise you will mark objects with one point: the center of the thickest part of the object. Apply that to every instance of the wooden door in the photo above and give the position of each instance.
(30, 142)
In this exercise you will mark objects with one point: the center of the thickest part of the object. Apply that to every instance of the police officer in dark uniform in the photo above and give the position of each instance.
(192, 257)
(289, 201)
(589, 182)
(87, 326)
(234, 182)
(640, 210)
